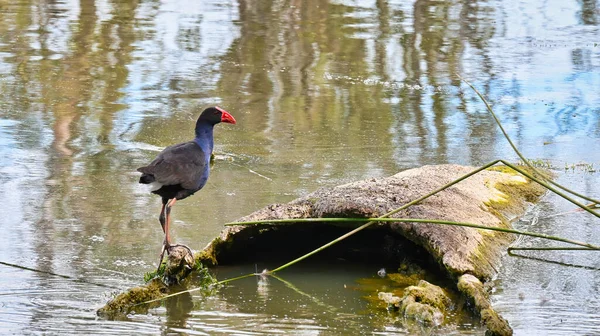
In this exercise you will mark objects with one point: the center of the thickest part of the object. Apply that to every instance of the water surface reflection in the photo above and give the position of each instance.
(325, 92)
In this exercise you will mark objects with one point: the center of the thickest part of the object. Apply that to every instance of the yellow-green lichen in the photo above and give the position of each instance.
(405, 279)
(473, 289)
(509, 191)
(421, 312)
(207, 256)
(429, 294)
(495, 324)
(425, 302)
(505, 169)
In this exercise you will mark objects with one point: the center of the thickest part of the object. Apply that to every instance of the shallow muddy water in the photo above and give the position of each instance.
(324, 92)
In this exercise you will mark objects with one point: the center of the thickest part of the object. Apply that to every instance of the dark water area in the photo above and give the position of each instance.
(324, 92)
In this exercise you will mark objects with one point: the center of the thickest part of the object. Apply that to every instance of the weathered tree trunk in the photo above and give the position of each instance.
(470, 256)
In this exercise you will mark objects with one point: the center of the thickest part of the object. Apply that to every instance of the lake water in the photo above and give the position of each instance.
(324, 92)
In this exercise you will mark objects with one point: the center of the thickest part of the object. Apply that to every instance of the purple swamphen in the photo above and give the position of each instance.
(182, 169)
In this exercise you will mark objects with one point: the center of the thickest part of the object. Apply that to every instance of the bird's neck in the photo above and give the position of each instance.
(204, 138)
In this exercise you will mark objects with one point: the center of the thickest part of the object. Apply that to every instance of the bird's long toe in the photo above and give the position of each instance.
(165, 248)
(178, 246)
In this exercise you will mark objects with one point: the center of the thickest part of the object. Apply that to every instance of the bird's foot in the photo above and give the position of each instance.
(180, 262)
(178, 247)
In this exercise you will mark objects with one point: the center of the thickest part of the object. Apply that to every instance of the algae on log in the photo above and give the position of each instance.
(125, 302)
(492, 198)
(473, 289)
(424, 302)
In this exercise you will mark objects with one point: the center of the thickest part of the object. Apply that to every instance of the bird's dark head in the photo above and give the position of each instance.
(215, 115)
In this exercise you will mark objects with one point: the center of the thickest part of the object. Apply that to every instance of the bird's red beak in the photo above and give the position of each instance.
(225, 116)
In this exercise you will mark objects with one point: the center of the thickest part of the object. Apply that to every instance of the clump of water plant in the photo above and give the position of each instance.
(540, 163)
(582, 166)
(158, 285)
(204, 279)
(156, 273)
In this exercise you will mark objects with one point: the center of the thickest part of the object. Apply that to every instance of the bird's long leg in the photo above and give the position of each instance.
(170, 204)
(167, 244)
(161, 217)
(162, 254)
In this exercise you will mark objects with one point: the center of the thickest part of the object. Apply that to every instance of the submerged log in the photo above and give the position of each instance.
(470, 257)
(491, 198)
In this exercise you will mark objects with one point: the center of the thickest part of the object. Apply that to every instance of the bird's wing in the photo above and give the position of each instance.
(178, 164)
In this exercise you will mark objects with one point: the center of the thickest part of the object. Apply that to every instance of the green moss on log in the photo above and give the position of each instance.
(510, 192)
(511, 195)
(473, 289)
(129, 301)
(405, 279)
(429, 294)
(208, 256)
(425, 303)
(172, 275)
(421, 312)
(496, 325)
